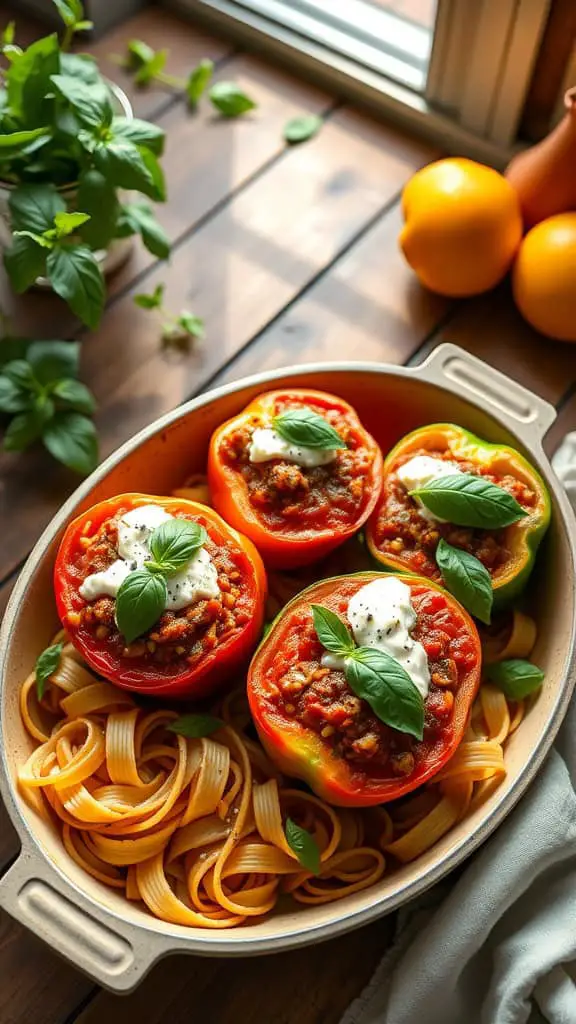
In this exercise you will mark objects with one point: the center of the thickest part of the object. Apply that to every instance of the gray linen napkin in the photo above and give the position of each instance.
(498, 946)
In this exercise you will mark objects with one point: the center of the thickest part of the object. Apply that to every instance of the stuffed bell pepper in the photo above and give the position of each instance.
(297, 473)
(159, 595)
(460, 511)
(363, 685)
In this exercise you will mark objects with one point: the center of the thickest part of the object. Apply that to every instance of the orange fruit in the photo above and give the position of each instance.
(544, 277)
(462, 226)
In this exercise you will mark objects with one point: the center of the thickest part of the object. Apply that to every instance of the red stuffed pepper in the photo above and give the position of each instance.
(420, 655)
(297, 473)
(159, 595)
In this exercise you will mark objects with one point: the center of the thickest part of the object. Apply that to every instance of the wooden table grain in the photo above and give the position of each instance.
(290, 255)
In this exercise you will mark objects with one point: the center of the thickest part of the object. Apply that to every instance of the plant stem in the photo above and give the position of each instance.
(172, 80)
(67, 39)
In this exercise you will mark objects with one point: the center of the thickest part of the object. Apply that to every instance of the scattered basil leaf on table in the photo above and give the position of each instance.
(516, 678)
(151, 68)
(46, 665)
(379, 679)
(468, 500)
(139, 53)
(195, 726)
(140, 601)
(467, 579)
(230, 100)
(189, 324)
(299, 129)
(72, 439)
(151, 301)
(307, 428)
(332, 633)
(303, 845)
(198, 80)
(173, 544)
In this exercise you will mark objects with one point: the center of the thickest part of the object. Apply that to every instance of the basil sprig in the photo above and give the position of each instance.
(46, 665)
(373, 675)
(467, 579)
(516, 678)
(303, 845)
(195, 726)
(141, 597)
(305, 427)
(468, 500)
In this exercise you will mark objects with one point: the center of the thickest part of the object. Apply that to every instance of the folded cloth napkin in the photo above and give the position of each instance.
(498, 946)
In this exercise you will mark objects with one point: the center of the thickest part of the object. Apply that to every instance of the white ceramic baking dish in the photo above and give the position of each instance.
(116, 942)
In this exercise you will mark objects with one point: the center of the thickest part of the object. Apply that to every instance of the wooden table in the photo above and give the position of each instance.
(290, 255)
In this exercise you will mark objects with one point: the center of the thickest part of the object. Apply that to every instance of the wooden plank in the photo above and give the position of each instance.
(237, 271)
(369, 306)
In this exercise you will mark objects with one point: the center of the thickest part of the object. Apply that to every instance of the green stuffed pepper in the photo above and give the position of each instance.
(461, 511)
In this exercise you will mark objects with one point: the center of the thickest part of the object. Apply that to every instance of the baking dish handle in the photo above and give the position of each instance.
(111, 951)
(520, 410)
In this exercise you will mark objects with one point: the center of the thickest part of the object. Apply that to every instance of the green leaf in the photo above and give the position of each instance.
(45, 241)
(74, 395)
(516, 678)
(148, 71)
(89, 101)
(142, 133)
(34, 207)
(21, 374)
(52, 360)
(8, 34)
(66, 12)
(124, 164)
(332, 633)
(80, 65)
(25, 261)
(13, 398)
(16, 143)
(84, 26)
(23, 431)
(467, 500)
(379, 679)
(175, 543)
(230, 99)
(77, 278)
(467, 579)
(307, 428)
(28, 80)
(140, 602)
(198, 80)
(139, 53)
(298, 129)
(72, 439)
(44, 406)
(97, 197)
(151, 301)
(158, 188)
(190, 324)
(46, 666)
(303, 846)
(138, 218)
(67, 223)
(195, 726)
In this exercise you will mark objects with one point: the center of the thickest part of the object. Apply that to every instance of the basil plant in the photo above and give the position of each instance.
(66, 155)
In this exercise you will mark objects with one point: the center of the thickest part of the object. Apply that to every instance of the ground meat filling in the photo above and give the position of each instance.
(184, 635)
(286, 495)
(320, 698)
(403, 532)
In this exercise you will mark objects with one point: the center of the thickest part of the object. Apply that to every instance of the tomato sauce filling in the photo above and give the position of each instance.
(182, 636)
(287, 496)
(402, 532)
(320, 699)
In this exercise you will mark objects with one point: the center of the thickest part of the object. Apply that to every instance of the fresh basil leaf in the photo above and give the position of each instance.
(8, 34)
(97, 197)
(467, 500)
(123, 163)
(157, 190)
(28, 80)
(138, 218)
(142, 133)
(23, 431)
(77, 278)
(74, 395)
(46, 665)
(21, 374)
(140, 601)
(25, 261)
(13, 398)
(16, 143)
(195, 726)
(45, 241)
(67, 223)
(467, 579)
(139, 53)
(72, 439)
(45, 407)
(305, 427)
(516, 678)
(151, 301)
(298, 129)
(148, 71)
(90, 101)
(66, 12)
(175, 543)
(379, 679)
(230, 99)
(198, 80)
(80, 65)
(190, 324)
(303, 846)
(52, 360)
(34, 207)
(332, 633)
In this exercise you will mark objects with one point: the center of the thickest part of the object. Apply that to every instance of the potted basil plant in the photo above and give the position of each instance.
(70, 149)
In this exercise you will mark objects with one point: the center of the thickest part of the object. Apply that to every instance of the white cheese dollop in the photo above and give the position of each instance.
(381, 615)
(197, 580)
(418, 472)
(267, 444)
